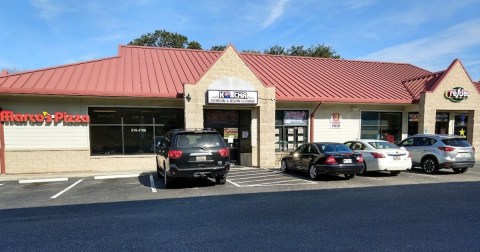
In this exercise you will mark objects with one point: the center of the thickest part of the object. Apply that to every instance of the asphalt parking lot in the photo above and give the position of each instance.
(34, 192)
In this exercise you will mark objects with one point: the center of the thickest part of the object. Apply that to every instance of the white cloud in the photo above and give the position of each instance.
(48, 9)
(276, 12)
(432, 51)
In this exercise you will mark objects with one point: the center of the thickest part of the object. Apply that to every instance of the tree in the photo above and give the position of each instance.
(297, 51)
(322, 51)
(163, 38)
(194, 45)
(218, 47)
(276, 50)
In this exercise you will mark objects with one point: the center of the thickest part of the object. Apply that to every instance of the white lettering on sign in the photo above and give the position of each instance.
(457, 94)
(232, 97)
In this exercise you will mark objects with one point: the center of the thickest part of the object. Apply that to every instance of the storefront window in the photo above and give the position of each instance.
(382, 125)
(412, 123)
(441, 124)
(461, 122)
(291, 128)
(129, 131)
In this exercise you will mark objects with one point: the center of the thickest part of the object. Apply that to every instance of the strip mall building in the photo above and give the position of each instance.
(105, 115)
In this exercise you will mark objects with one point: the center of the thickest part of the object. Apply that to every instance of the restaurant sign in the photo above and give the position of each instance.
(232, 97)
(457, 94)
(57, 117)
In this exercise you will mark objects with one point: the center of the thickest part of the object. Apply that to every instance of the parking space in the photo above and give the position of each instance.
(253, 177)
(148, 186)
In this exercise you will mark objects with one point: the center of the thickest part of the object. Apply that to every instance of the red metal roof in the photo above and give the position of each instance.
(333, 80)
(161, 72)
(136, 72)
(422, 84)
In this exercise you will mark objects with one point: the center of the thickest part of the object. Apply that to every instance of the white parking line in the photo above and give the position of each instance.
(117, 176)
(248, 181)
(425, 175)
(66, 189)
(249, 174)
(235, 184)
(152, 184)
(278, 183)
(1, 184)
(258, 176)
(373, 178)
(27, 181)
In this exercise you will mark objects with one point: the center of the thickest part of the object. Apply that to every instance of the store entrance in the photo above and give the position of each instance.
(234, 126)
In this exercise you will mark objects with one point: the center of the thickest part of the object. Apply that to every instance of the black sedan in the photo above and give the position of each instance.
(324, 158)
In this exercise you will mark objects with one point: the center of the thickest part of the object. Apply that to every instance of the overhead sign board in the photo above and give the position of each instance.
(232, 97)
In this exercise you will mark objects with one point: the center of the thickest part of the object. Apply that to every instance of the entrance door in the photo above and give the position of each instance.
(234, 126)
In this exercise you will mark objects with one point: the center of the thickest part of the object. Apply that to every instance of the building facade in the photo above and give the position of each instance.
(107, 115)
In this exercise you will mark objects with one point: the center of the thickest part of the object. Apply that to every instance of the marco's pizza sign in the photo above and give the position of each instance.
(45, 117)
(457, 94)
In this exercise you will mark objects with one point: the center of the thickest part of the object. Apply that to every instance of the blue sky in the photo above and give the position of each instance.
(429, 34)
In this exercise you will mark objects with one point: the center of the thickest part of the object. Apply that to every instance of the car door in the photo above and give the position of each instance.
(414, 145)
(296, 158)
(307, 157)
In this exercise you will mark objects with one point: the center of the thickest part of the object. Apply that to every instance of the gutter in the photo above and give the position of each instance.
(312, 120)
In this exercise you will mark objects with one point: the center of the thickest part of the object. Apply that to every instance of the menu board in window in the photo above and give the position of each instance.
(295, 117)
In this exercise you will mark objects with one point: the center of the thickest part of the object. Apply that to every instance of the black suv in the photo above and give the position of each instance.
(192, 153)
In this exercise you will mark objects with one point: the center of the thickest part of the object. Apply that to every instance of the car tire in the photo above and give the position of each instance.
(350, 176)
(312, 171)
(460, 170)
(284, 166)
(395, 173)
(221, 180)
(429, 165)
(364, 172)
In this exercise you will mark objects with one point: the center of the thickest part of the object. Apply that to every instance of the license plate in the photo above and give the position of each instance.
(347, 161)
(201, 158)
(396, 157)
(464, 154)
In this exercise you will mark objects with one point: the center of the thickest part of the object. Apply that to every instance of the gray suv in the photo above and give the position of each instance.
(434, 152)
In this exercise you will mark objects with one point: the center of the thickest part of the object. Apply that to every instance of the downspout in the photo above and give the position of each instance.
(312, 120)
(2, 148)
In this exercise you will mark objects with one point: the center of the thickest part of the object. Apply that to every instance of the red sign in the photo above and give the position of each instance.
(10, 116)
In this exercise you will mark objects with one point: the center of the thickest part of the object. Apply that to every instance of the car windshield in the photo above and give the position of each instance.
(383, 145)
(334, 147)
(457, 142)
(202, 140)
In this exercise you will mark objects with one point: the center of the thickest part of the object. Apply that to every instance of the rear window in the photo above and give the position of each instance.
(334, 148)
(383, 145)
(203, 140)
(457, 142)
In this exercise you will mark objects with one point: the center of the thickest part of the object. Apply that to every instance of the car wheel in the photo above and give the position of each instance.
(312, 170)
(283, 166)
(364, 169)
(429, 165)
(460, 170)
(221, 180)
(395, 173)
(349, 176)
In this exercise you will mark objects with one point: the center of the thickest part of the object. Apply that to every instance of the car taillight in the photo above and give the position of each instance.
(360, 159)
(223, 152)
(330, 160)
(447, 149)
(174, 154)
(378, 155)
